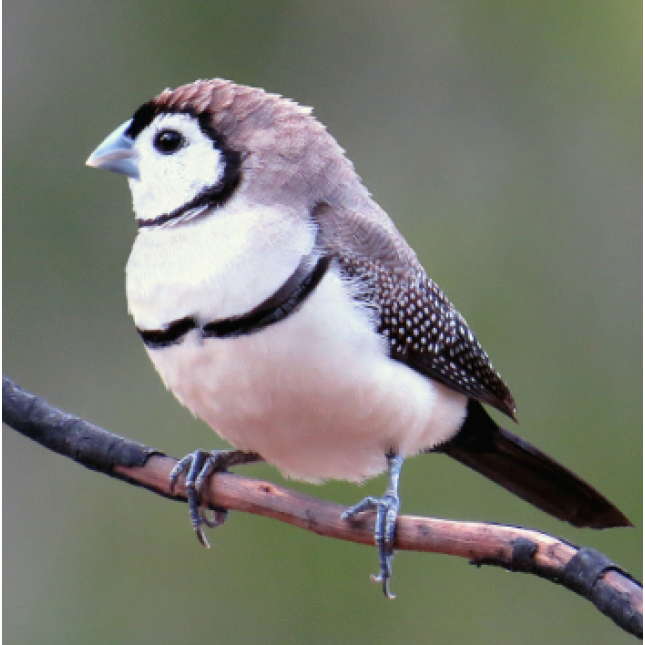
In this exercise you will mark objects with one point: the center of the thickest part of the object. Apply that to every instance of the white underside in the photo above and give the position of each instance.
(315, 394)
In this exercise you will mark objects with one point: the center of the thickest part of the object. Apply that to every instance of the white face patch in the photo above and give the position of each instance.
(169, 181)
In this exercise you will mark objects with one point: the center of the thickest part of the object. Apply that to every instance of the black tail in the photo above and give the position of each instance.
(516, 465)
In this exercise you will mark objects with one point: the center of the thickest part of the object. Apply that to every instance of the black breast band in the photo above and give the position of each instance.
(170, 335)
(285, 301)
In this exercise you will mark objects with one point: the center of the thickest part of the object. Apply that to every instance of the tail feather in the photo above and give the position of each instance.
(515, 464)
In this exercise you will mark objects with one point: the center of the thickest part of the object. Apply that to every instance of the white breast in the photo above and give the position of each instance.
(218, 266)
(315, 394)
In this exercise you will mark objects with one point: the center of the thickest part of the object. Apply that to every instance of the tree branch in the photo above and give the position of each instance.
(584, 571)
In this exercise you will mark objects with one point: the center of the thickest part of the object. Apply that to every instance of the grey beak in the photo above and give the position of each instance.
(116, 153)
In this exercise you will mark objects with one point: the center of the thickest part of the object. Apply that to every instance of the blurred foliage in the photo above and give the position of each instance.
(504, 140)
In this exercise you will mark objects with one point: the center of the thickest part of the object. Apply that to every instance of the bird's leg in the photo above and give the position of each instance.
(387, 510)
(200, 465)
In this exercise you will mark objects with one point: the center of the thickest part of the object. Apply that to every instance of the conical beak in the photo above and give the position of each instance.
(117, 154)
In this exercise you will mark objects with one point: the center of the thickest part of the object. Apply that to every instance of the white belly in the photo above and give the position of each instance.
(315, 394)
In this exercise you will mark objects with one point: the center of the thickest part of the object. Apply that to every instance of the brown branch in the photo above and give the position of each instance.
(584, 571)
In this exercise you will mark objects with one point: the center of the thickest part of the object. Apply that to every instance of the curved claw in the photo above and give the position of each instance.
(181, 467)
(219, 517)
(384, 580)
(199, 466)
(199, 461)
(387, 511)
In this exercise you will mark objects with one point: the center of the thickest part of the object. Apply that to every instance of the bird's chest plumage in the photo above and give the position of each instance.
(316, 393)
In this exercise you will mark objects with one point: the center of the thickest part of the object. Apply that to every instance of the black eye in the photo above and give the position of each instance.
(168, 141)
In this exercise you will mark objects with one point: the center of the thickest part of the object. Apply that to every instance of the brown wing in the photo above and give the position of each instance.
(422, 327)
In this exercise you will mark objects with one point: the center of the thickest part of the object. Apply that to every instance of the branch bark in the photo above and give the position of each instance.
(584, 571)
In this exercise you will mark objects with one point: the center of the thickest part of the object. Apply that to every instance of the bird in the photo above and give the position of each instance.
(281, 305)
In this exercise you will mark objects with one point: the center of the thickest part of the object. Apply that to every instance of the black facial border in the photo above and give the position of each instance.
(212, 196)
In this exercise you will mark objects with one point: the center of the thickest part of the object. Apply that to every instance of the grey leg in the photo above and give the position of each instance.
(200, 466)
(387, 510)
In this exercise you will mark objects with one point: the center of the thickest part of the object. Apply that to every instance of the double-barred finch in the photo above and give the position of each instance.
(281, 305)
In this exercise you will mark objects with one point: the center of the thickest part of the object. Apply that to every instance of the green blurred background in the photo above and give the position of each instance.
(504, 140)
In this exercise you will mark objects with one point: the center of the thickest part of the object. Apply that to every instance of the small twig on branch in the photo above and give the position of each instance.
(585, 571)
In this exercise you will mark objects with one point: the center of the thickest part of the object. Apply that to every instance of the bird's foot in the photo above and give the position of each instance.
(199, 466)
(387, 511)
